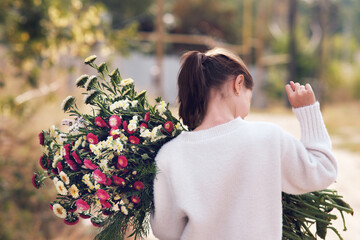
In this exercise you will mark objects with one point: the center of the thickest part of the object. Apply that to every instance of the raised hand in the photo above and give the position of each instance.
(300, 95)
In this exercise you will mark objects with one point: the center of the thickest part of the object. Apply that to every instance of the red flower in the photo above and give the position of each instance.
(41, 138)
(135, 199)
(35, 181)
(99, 176)
(71, 164)
(107, 182)
(82, 205)
(168, 126)
(118, 180)
(41, 162)
(122, 162)
(59, 167)
(147, 117)
(113, 134)
(76, 157)
(92, 138)
(143, 125)
(114, 121)
(89, 165)
(73, 222)
(102, 194)
(138, 185)
(133, 140)
(51, 206)
(105, 204)
(100, 122)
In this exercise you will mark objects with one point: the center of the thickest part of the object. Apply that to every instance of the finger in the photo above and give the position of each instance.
(297, 86)
(289, 90)
(292, 84)
(308, 87)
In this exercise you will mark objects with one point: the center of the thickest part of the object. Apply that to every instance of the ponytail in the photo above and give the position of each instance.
(193, 89)
(198, 73)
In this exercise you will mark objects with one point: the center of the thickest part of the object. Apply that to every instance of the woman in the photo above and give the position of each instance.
(224, 179)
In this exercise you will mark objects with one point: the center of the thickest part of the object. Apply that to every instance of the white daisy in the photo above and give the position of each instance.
(59, 210)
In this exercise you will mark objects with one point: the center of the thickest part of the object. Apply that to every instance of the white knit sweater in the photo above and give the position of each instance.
(226, 182)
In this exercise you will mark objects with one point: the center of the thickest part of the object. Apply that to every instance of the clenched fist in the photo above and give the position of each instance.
(300, 95)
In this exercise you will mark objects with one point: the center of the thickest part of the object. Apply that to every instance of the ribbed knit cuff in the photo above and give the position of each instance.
(312, 125)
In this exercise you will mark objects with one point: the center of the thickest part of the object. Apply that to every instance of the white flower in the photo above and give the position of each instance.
(55, 180)
(74, 191)
(145, 133)
(56, 159)
(124, 104)
(124, 210)
(53, 132)
(45, 150)
(60, 187)
(104, 165)
(87, 181)
(59, 211)
(64, 177)
(134, 103)
(126, 82)
(117, 146)
(95, 150)
(161, 107)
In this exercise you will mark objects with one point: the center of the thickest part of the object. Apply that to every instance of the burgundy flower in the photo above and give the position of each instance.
(84, 216)
(72, 209)
(41, 138)
(92, 138)
(76, 157)
(96, 224)
(168, 126)
(138, 185)
(118, 180)
(67, 151)
(100, 122)
(134, 140)
(99, 176)
(71, 164)
(41, 162)
(147, 117)
(71, 222)
(35, 181)
(89, 165)
(135, 199)
(54, 171)
(82, 205)
(59, 167)
(114, 121)
(102, 194)
(122, 162)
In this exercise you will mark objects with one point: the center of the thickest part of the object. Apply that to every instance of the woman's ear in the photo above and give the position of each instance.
(239, 82)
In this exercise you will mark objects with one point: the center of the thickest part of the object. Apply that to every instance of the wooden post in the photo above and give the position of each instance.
(247, 31)
(160, 35)
(292, 44)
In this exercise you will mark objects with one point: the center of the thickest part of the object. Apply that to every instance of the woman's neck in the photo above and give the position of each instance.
(220, 110)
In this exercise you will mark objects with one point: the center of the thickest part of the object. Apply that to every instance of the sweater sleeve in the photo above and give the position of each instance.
(309, 164)
(167, 221)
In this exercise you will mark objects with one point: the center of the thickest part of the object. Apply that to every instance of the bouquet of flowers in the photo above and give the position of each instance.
(103, 166)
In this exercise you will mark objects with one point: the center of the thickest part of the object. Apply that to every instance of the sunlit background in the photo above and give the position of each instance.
(43, 44)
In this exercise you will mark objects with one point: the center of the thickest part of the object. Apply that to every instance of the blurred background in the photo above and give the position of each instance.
(43, 44)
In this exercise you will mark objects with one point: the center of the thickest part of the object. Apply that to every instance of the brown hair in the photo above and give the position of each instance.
(199, 72)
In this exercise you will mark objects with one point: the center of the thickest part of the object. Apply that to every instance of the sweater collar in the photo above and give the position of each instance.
(218, 130)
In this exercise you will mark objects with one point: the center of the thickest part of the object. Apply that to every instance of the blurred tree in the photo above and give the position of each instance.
(37, 33)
